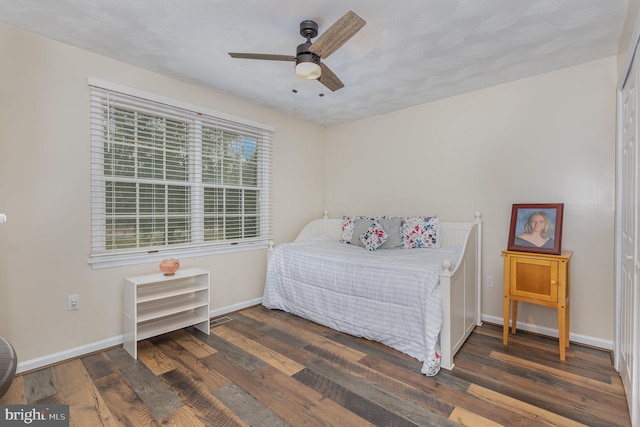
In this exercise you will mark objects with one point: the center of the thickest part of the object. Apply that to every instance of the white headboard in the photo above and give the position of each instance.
(451, 233)
(329, 226)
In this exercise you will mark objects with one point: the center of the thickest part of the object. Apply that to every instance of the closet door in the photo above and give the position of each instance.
(628, 295)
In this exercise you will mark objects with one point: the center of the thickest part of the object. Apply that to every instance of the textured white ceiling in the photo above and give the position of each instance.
(410, 51)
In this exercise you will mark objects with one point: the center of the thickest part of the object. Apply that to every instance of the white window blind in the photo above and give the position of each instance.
(170, 180)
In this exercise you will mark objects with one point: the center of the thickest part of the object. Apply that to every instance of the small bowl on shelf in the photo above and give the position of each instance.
(169, 266)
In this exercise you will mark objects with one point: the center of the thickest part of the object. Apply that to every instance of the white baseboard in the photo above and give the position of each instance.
(235, 307)
(40, 362)
(577, 338)
(50, 359)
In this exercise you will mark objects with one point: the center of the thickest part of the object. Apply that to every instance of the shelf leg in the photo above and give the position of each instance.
(505, 327)
(562, 331)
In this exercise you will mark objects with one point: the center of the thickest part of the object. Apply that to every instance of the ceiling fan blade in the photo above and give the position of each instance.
(337, 35)
(329, 79)
(266, 56)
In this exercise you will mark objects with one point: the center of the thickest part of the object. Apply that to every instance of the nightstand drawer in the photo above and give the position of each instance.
(535, 279)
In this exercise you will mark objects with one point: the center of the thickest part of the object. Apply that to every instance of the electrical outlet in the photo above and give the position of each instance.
(489, 281)
(73, 302)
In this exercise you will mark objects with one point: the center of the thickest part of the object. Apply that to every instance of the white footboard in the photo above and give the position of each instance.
(461, 290)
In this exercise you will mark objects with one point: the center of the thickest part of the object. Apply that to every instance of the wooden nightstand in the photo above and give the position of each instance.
(539, 279)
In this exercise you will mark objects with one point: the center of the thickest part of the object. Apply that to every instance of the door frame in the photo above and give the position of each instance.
(634, 405)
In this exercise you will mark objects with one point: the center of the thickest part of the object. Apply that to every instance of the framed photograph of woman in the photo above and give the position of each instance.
(536, 227)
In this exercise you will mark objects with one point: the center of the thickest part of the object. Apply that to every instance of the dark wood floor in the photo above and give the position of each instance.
(269, 368)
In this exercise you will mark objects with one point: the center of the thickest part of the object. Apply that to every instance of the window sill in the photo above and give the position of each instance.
(110, 261)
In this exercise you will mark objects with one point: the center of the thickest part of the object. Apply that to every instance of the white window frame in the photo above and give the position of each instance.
(100, 257)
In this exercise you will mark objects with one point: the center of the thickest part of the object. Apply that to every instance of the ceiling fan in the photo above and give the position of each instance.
(309, 55)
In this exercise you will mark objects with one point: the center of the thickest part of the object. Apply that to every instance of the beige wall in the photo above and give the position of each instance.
(549, 138)
(628, 38)
(44, 190)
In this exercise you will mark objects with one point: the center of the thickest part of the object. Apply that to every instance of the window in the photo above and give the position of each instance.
(170, 179)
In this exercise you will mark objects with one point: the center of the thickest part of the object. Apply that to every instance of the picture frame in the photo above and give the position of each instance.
(536, 227)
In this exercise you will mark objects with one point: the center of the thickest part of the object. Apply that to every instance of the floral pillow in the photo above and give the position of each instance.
(420, 232)
(347, 228)
(392, 225)
(374, 237)
(348, 223)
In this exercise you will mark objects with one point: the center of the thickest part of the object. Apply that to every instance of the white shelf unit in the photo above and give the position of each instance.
(155, 304)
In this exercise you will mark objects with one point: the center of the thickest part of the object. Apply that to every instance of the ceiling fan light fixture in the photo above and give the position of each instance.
(308, 66)
(309, 55)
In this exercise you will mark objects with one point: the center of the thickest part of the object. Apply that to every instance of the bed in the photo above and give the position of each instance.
(422, 302)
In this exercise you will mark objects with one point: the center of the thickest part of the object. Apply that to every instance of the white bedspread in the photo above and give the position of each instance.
(388, 295)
